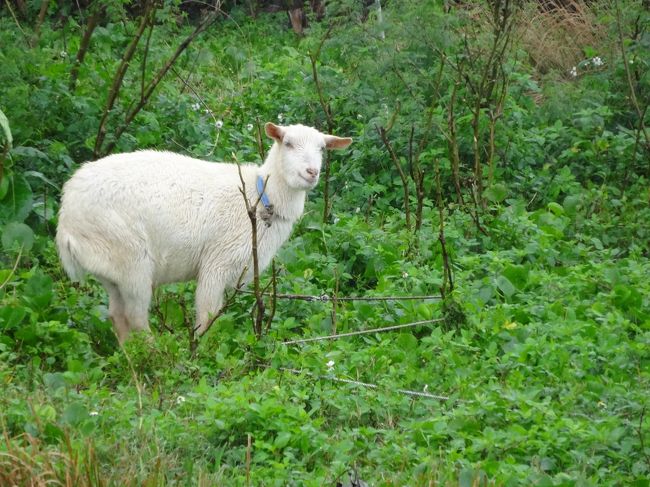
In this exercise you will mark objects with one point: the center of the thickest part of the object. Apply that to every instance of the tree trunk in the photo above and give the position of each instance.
(296, 12)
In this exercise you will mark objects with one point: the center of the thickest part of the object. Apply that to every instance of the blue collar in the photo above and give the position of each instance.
(264, 198)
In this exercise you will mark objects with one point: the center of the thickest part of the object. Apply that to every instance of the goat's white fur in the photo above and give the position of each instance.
(142, 219)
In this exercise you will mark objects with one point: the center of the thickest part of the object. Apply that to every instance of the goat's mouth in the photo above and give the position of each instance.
(310, 180)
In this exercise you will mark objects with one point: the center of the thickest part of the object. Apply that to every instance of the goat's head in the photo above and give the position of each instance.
(300, 150)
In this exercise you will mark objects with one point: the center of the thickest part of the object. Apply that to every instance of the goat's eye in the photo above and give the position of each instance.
(288, 144)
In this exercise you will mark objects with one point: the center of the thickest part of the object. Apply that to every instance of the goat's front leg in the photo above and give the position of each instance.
(209, 299)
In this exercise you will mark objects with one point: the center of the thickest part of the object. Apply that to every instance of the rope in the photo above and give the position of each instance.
(363, 332)
(368, 385)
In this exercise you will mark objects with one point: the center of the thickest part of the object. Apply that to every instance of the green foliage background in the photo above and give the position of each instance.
(546, 363)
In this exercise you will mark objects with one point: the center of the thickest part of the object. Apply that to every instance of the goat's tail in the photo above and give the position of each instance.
(67, 252)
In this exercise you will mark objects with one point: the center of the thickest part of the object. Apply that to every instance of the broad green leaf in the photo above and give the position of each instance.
(496, 193)
(597, 243)
(425, 311)
(555, 208)
(172, 312)
(571, 204)
(74, 414)
(38, 290)
(627, 298)
(4, 125)
(282, 439)
(45, 411)
(17, 236)
(506, 287)
(27, 334)
(54, 381)
(17, 202)
(466, 477)
(11, 316)
(29, 153)
(517, 275)
(4, 185)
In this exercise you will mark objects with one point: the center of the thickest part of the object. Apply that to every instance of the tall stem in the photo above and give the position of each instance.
(119, 78)
(93, 20)
(405, 182)
(150, 88)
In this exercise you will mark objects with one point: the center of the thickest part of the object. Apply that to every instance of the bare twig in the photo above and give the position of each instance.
(454, 154)
(41, 17)
(258, 138)
(405, 183)
(145, 54)
(119, 78)
(229, 300)
(93, 21)
(251, 210)
(325, 106)
(11, 11)
(335, 301)
(628, 73)
(447, 280)
(13, 270)
(639, 432)
(274, 297)
(249, 447)
(158, 78)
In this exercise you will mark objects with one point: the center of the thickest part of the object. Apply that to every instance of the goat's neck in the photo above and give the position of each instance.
(288, 203)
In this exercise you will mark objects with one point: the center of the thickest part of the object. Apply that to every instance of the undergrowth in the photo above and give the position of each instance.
(538, 374)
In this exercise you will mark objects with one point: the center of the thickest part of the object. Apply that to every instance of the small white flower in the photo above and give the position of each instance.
(405, 275)
(597, 61)
(93, 413)
(180, 400)
(631, 61)
(573, 72)
(359, 116)
(357, 209)
(249, 127)
(280, 117)
(426, 386)
(336, 220)
(218, 124)
(330, 365)
(63, 54)
(196, 106)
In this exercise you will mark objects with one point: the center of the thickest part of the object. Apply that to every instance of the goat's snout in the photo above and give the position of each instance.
(313, 172)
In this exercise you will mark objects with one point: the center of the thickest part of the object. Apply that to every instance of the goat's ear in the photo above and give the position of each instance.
(274, 131)
(334, 142)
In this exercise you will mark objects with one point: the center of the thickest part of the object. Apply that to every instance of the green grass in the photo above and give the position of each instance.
(544, 354)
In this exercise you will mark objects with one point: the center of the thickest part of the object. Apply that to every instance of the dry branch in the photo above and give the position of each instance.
(150, 88)
(119, 78)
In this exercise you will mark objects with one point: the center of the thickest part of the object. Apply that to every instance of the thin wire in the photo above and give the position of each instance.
(363, 332)
(369, 385)
(326, 298)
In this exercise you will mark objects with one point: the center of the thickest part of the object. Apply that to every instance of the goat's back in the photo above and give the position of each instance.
(158, 208)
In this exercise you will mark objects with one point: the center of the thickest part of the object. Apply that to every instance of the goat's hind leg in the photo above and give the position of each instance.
(116, 310)
(128, 304)
(136, 305)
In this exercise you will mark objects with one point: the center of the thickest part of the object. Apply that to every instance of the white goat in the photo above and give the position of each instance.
(139, 220)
